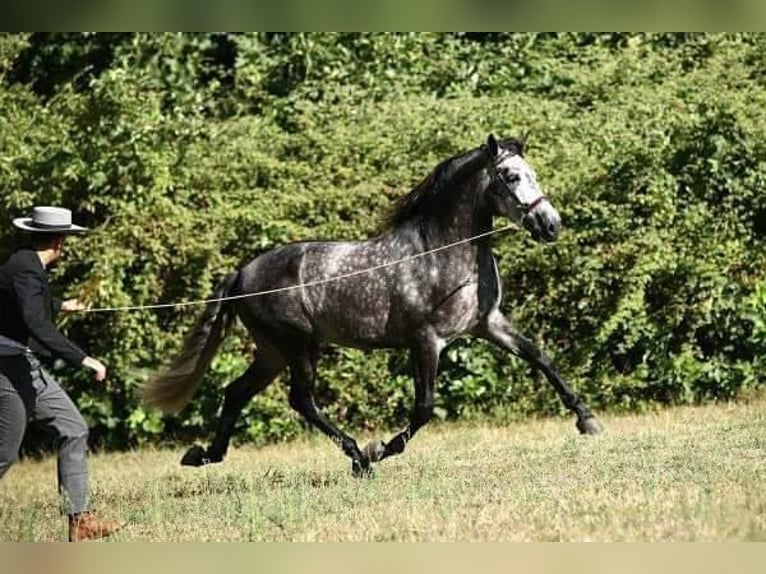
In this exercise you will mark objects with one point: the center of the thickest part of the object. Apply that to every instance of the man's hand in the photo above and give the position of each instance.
(96, 366)
(73, 305)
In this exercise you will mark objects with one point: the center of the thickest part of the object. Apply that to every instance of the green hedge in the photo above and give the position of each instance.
(191, 154)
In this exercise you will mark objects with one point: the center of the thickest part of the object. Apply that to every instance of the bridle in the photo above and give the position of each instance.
(526, 208)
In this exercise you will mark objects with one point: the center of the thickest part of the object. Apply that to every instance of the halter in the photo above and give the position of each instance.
(526, 208)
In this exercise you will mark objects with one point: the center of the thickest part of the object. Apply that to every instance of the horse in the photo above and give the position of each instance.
(315, 293)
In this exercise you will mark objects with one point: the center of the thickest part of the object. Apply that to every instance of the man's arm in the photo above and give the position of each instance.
(29, 288)
(56, 306)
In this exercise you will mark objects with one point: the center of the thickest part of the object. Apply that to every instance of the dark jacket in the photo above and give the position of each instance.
(27, 308)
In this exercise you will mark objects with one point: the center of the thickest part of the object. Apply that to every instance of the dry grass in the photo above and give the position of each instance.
(681, 474)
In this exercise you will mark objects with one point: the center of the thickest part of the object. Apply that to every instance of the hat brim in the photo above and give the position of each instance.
(26, 224)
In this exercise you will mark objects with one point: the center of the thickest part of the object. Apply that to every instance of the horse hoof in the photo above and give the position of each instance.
(373, 451)
(589, 426)
(195, 456)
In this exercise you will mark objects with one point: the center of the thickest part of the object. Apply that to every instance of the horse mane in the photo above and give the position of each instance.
(427, 195)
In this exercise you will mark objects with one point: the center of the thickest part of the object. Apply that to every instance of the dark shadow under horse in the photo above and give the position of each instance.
(420, 304)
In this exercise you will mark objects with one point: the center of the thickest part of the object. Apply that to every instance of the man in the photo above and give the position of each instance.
(28, 393)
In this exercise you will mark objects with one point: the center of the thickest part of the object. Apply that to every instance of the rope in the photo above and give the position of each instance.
(301, 285)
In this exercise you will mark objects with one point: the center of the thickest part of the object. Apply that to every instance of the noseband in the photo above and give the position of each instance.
(526, 208)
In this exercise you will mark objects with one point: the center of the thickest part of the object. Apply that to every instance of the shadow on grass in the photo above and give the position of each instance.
(181, 487)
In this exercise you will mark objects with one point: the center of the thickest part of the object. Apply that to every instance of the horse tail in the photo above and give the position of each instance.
(173, 388)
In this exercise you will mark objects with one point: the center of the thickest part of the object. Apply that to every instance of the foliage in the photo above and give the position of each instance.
(188, 154)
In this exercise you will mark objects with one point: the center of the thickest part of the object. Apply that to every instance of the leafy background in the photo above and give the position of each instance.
(189, 154)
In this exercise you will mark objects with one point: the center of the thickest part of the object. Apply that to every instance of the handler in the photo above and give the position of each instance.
(28, 393)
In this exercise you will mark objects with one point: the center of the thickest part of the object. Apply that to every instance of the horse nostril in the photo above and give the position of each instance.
(547, 225)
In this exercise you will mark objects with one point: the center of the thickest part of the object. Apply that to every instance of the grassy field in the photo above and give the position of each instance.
(676, 475)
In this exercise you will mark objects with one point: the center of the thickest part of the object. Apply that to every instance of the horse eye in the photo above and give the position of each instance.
(512, 177)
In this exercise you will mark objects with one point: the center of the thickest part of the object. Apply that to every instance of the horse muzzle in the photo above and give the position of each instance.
(543, 223)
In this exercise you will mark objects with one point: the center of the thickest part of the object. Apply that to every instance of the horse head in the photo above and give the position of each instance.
(513, 191)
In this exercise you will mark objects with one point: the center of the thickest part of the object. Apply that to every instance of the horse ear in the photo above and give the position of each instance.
(524, 140)
(492, 146)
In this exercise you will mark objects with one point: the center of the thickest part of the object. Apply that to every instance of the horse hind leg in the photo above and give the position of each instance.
(425, 356)
(261, 372)
(302, 377)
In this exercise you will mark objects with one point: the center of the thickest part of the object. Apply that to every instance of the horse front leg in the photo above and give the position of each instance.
(425, 357)
(499, 330)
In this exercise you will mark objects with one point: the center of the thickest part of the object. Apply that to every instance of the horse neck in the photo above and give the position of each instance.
(466, 215)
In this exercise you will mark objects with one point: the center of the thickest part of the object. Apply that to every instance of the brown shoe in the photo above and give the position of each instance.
(85, 526)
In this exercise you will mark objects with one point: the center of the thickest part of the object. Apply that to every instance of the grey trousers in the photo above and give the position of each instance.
(29, 394)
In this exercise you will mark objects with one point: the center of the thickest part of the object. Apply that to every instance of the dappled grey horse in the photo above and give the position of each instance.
(420, 304)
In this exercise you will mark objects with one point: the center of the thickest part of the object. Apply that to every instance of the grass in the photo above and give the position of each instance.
(684, 474)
